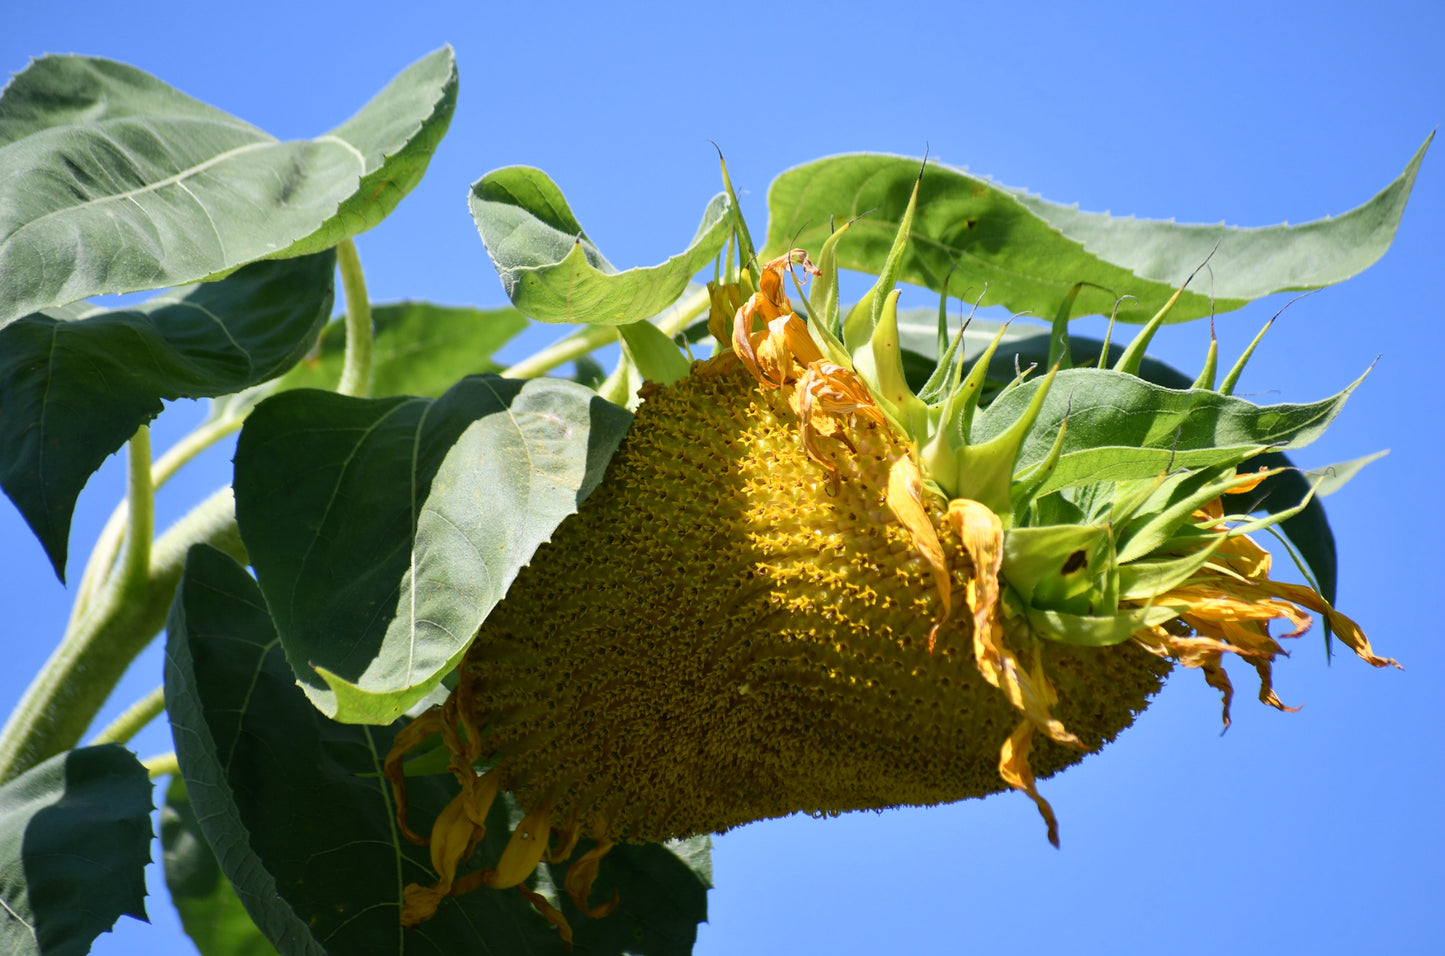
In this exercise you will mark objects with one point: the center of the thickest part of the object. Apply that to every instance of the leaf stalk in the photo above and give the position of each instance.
(356, 365)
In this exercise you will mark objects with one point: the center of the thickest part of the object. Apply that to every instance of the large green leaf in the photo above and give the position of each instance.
(75, 384)
(982, 239)
(419, 348)
(1248, 263)
(75, 837)
(302, 824)
(383, 531)
(554, 273)
(210, 910)
(1122, 427)
(115, 182)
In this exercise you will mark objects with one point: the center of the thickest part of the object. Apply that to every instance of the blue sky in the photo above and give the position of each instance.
(1311, 832)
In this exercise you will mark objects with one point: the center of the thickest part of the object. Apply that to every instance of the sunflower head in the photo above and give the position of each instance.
(806, 585)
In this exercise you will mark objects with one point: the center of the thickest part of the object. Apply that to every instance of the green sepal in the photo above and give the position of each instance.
(747, 255)
(880, 363)
(856, 327)
(1059, 334)
(984, 472)
(1027, 485)
(825, 323)
(1230, 380)
(953, 420)
(1146, 580)
(1144, 535)
(893, 265)
(1205, 380)
(1083, 630)
(1068, 568)
(1134, 353)
(655, 356)
(949, 365)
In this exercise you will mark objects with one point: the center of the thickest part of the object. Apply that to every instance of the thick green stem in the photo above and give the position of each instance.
(89, 661)
(574, 346)
(356, 367)
(136, 716)
(693, 303)
(162, 765)
(141, 505)
(102, 557)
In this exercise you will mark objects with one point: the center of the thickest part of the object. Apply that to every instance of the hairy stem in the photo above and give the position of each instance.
(356, 366)
(162, 765)
(107, 544)
(576, 345)
(84, 668)
(136, 716)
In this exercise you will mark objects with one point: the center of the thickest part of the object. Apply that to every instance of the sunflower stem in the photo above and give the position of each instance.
(356, 366)
(95, 652)
(162, 765)
(107, 543)
(134, 720)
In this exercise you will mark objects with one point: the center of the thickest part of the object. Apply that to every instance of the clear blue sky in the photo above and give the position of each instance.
(1316, 832)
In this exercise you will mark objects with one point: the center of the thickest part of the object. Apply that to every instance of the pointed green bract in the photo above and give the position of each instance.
(655, 356)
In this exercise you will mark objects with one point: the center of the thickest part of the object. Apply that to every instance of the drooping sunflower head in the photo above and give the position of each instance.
(806, 585)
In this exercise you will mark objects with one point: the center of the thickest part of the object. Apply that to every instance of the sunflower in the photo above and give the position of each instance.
(805, 586)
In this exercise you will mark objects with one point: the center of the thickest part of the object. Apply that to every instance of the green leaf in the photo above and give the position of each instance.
(1027, 255)
(1248, 263)
(1122, 427)
(210, 910)
(662, 889)
(383, 531)
(554, 273)
(76, 384)
(75, 836)
(419, 348)
(166, 190)
(303, 825)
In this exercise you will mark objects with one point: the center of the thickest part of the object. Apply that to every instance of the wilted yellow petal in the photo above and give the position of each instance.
(549, 912)
(523, 852)
(453, 839)
(905, 500)
(1013, 766)
(580, 877)
(392, 769)
(1346, 629)
(981, 532)
(724, 302)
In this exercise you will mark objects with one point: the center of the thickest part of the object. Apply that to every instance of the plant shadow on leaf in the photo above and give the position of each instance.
(75, 837)
(303, 825)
